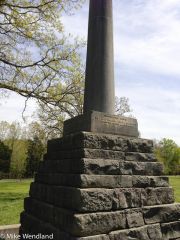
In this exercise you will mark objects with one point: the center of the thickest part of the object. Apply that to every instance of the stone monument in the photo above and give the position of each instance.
(100, 181)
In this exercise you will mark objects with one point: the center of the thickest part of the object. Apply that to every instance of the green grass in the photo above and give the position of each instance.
(13, 192)
(175, 183)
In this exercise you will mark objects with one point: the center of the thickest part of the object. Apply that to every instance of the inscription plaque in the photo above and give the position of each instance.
(99, 122)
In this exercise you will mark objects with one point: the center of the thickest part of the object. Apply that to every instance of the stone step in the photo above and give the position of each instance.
(162, 213)
(100, 153)
(100, 141)
(148, 232)
(101, 167)
(97, 199)
(32, 223)
(101, 181)
(82, 225)
(86, 153)
(166, 231)
(140, 157)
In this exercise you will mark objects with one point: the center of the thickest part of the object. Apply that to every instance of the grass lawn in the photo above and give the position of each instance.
(175, 183)
(12, 193)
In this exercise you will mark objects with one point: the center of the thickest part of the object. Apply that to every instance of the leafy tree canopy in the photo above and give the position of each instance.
(168, 152)
(36, 57)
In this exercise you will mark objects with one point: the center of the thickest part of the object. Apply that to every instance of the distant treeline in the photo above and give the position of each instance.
(21, 149)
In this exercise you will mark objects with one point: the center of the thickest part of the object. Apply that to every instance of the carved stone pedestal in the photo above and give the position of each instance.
(101, 187)
(99, 122)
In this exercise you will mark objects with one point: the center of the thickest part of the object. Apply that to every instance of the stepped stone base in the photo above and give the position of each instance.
(101, 187)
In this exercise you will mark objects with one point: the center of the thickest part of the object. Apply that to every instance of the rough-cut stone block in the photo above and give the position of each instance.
(82, 200)
(100, 122)
(157, 196)
(127, 198)
(140, 168)
(154, 232)
(150, 181)
(162, 213)
(150, 232)
(33, 225)
(30, 223)
(89, 200)
(103, 181)
(85, 153)
(171, 230)
(100, 141)
(134, 218)
(99, 199)
(85, 181)
(141, 157)
(86, 224)
(81, 166)
(101, 167)
(90, 224)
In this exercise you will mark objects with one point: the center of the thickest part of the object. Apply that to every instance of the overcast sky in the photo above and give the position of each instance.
(147, 63)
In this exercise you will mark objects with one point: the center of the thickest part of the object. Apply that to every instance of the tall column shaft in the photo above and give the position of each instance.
(99, 82)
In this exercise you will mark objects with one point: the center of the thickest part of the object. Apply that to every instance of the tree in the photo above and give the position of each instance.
(5, 155)
(35, 130)
(4, 130)
(122, 106)
(36, 58)
(35, 154)
(18, 159)
(168, 152)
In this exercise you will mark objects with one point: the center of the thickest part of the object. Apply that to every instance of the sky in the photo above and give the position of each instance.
(147, 64)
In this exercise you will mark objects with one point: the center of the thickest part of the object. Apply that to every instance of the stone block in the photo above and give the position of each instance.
(157, 196)
(89, 200)
(100, 141)
(104, 181)
(100, 122)
(81, 166)
(140, 157)
(170, 230)
(148, 232)
(30, 224)
(162, 213)
(134, 218)
(154, 232)
(33, 225)
(150, 181)
(39, 209)
(102, 167)
(85, 224)
(90, 224)
(99, 199)
(85, 153)
(85, 180)
(133, 197)
(140, 168)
